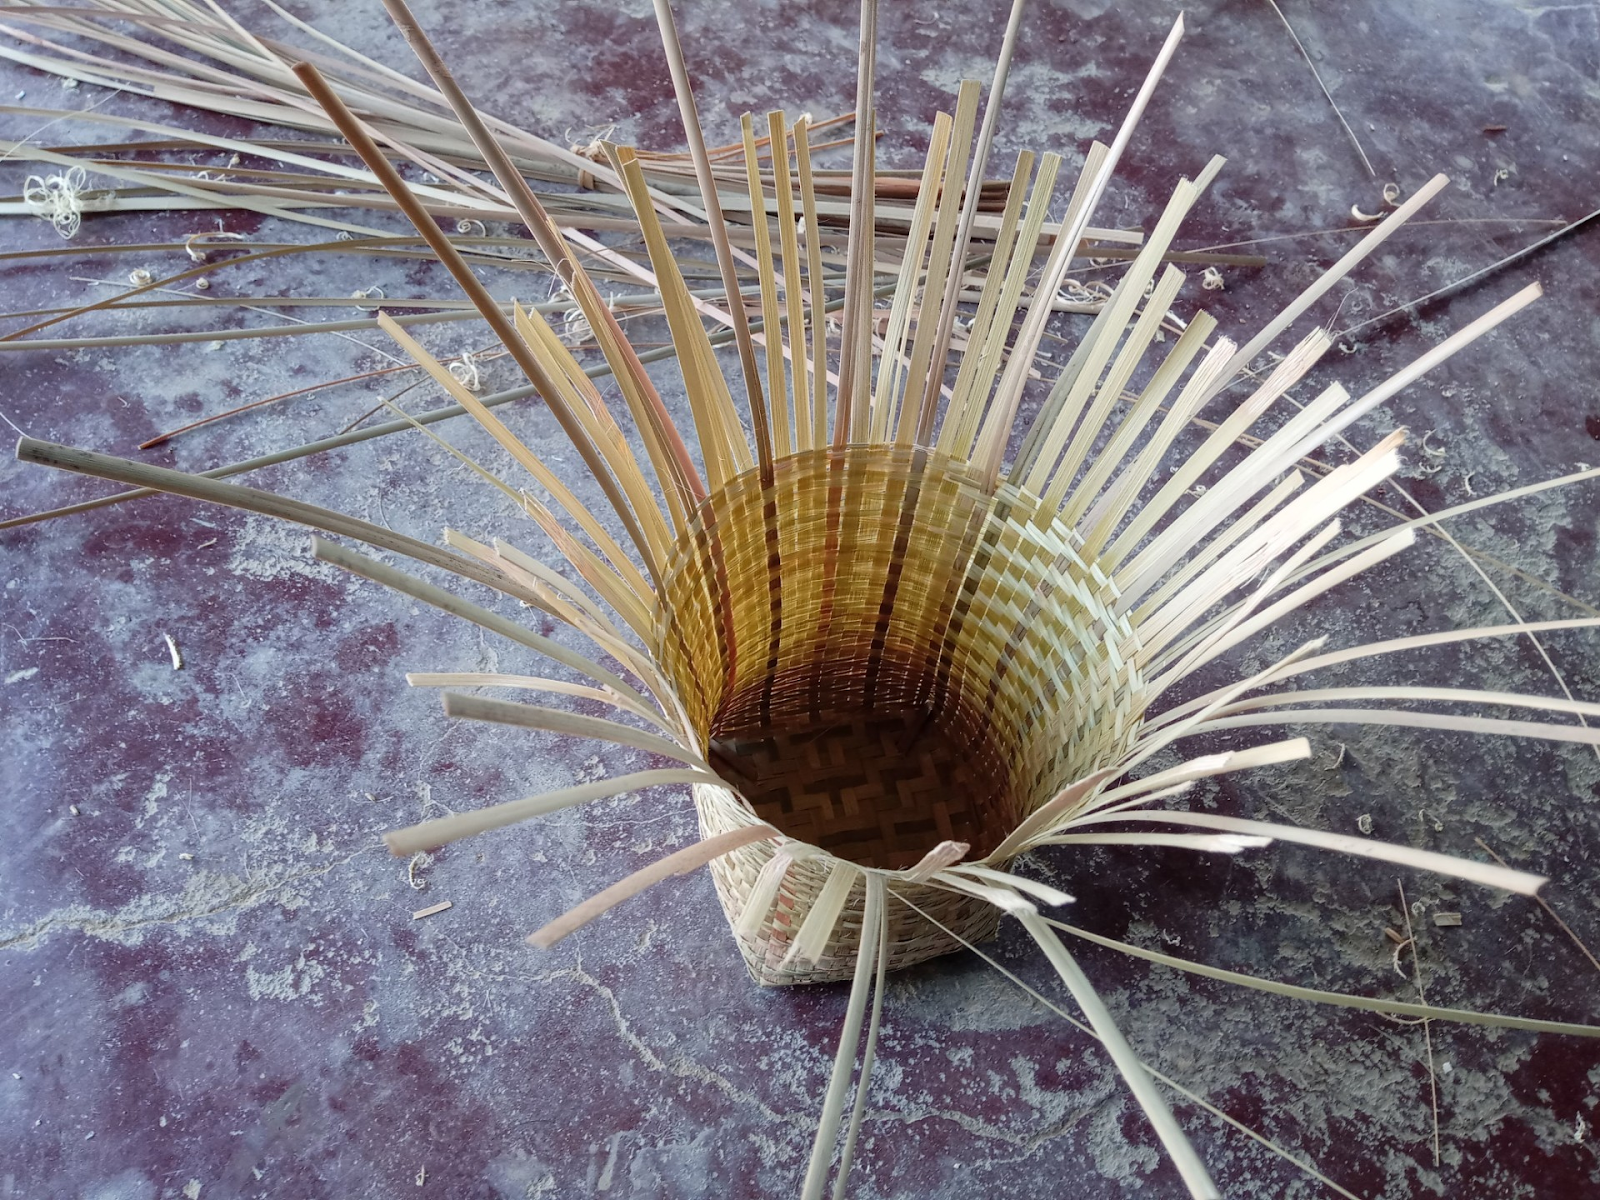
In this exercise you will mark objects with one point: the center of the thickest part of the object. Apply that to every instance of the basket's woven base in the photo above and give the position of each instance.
(876, 788)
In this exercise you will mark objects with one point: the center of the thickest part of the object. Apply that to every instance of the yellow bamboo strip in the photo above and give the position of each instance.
(855, 345)
(949, 301)
(1239, 631)
(359, 137)
(1437, 695)
(430, 835)
(1008, 395)
(1203, 556)
(995, 428)
(586, 619)
(978, 335)
(709, 397)
(370, 568)
(711, 204)
(599, 423)
(1224, 498)
(536, 683)
(680, 863)
(772, 326)
(679, 481)
(794, 296)
(525, 457)
(1110, 390)
(923, 368)
(567, 724)
(1129, 292)
(817, 322)
(1285, 375)
(1420, 641)
(1244, 561)
(1139, 414)
(633, 609)
(1486, 874)
(892, 363)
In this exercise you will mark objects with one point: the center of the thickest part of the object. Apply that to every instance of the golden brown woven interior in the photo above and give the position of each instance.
(882, 656)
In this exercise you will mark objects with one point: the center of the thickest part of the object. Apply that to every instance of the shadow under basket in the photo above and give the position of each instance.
(880, 655)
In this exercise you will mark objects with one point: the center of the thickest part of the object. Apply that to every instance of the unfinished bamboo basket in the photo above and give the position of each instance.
(890, 640)
(944, 664)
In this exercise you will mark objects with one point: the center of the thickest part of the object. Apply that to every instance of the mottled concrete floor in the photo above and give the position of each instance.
(210, 982)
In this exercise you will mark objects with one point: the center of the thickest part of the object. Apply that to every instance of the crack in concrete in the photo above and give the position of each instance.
(82, 919)
(681, 1065)
(684, 1067)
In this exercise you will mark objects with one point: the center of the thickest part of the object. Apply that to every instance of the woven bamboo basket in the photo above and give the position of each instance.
(886, 656)
(888, 644)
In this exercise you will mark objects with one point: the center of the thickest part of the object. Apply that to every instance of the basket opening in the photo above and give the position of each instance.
(881, 654)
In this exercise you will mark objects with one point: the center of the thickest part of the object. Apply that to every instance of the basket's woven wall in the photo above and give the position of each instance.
(879, 600)
(911, 938)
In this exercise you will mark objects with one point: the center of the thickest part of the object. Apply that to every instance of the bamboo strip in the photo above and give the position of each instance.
(1276, 534)
(1420, 366)
(360, 564)
(356, 134)
(998, 418)
(877, 899)
(1232, 635)
(196, 487)
(983, 345)
(1195, 1177)
(777, 382)
(929, 401)
(794, 297)
(849, 1036)
(1207, 843)
(816, 325)
(679, 481)
(926, 372)
(707, 389)
(712, 206)
(854, 344)
(430, 835)
(583, 399)
(1284, 376)
(1398, 1008)
(1008, 395)
(1107, 514)
(1193, 1097)
(1223, 499)
(555, 720)
(892, 361)
(1581, 734)
(1329, 278)
(1520, 882)
(1462, 695)
(585, 618)
(1110, 390)
(535, 683)
(682, 862)
(1063, 416)
(518, 450)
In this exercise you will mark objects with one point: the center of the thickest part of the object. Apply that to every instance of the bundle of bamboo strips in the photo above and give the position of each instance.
(890, 639)
(198, 56)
